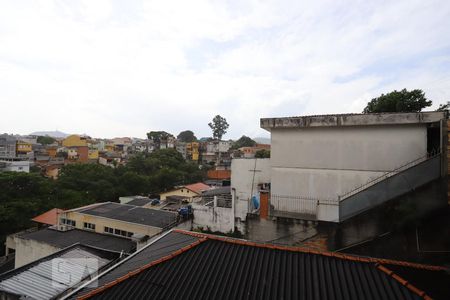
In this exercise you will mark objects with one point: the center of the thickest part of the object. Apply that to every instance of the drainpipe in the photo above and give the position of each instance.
(233, 208)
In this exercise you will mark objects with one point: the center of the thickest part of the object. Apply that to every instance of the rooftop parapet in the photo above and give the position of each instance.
(352, 120)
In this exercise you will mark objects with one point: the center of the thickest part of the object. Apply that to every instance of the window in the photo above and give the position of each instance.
(108, 230)
(117, 231)
(89, 226)
(68, 222)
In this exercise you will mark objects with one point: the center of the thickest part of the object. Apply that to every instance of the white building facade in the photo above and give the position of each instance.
(317, 161)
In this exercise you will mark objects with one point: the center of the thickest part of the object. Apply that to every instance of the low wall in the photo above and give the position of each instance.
(213, 218)
(29, 250)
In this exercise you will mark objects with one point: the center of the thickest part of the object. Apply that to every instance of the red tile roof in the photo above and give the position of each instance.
(50, 217)
(197, 187)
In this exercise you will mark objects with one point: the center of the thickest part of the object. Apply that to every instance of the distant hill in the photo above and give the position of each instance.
(54, 134)
(262, 140)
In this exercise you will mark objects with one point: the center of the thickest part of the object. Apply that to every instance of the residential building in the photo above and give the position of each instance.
(93, 155)
(218, 174)
(249, 152)
(189, 191)
(334, 167)
(33, 244)
(23, 148)
(182, 149)
(52, 150)
(54, 275)
(227, 211)
(14, 165)
(213, 210)
(248, 178)
(49, 217)
(192, 150)
(189, 265)
(118, 219)
(75, 140)
(7, 146)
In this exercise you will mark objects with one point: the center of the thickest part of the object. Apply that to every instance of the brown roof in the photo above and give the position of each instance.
(197, 187)
(219, 174)
(50, 217)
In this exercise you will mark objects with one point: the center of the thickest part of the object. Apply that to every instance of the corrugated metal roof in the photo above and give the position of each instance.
(63, 239)
(132, 214)
(166, 245)
(217, 268)
(52, 275)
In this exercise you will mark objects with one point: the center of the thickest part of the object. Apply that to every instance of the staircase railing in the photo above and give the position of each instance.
(386, 175)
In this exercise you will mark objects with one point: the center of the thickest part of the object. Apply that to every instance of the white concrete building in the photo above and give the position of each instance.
(15, 165)
(319, 161)
(246, 176)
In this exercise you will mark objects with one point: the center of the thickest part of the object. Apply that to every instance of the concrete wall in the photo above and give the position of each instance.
(214, 218)
(29, 250)
(324, 162)
(245, 181)
(18, 166)
(281, 231)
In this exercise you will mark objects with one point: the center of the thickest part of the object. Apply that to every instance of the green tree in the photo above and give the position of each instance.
(186, 136)
(443, 107)
(398, 101)
(219, 127)
(45, 140)
(263, 153)
(243, 141)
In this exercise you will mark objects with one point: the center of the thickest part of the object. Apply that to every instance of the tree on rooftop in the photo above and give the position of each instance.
(263, 153)
(398, 101)
(158, 136)
(219, 127)
(243, 141)
(186, 136)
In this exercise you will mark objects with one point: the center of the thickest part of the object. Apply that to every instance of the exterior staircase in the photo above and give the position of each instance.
(390, 185)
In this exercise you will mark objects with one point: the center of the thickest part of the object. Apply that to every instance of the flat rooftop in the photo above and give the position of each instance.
(140, 201)
(63, 239)
(352, 120)
(132, 214)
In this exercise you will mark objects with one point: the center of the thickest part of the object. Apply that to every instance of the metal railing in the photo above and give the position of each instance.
(307, 206)
(386, 175)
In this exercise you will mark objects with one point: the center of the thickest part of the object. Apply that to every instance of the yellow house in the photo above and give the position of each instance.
(23, 147)
(93, 154)
(109, 147)
(74, 140)
(52, 151)
(118, 219)
(192, 150)
(190, 191)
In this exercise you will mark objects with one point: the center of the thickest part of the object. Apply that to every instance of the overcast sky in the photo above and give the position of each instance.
(123, 68)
